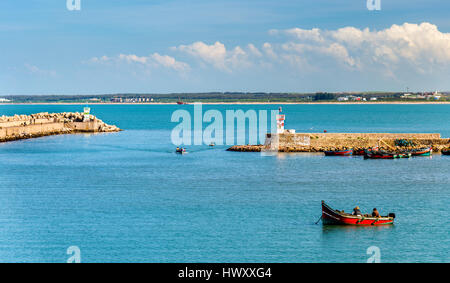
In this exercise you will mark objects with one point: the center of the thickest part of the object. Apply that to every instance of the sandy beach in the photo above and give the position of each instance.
(235, 103)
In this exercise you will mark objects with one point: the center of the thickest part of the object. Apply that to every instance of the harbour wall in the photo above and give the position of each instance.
(319, 142)
(43, 124)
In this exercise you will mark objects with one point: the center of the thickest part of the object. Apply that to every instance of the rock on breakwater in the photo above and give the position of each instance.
(44, 124)
(246, 148)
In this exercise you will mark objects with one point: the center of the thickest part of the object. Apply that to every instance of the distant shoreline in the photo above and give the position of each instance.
(235, 103)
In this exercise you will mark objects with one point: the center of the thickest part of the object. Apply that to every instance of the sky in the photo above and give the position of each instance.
(167, 46)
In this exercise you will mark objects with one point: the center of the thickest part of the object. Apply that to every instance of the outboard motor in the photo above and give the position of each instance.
(392, 215)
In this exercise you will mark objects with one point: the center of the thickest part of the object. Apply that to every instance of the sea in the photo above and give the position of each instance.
(128, 197)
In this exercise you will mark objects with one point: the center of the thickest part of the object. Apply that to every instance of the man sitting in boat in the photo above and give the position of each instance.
(357, 211)
(375, 213)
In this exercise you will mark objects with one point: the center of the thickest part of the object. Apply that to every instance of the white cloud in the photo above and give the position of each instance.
(154, 60)
(131, 58)
(253, 50)
(170, 62)
(219, 57)
(304, 34)
(35, 70)
(268, 49)
(214, 54)
(420, 48)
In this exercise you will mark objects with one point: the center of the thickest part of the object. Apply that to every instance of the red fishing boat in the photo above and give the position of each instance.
(346, 152)
(180, 102)
(335, 217)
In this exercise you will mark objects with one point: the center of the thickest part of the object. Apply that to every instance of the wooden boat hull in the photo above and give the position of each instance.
(334, 217)
(363, 151)
(446, 152)
(381, 155)
(339, 153)
(422, 152)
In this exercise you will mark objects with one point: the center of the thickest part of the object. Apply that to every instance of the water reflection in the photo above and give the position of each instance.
(334, 229)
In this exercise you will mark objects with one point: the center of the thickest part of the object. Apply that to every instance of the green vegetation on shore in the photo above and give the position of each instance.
(230, 97)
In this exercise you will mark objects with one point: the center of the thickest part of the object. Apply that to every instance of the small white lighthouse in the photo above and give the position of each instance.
(280, 123)
(86, 114)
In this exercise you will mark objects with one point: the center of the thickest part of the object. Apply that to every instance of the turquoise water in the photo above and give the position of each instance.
(126, 197)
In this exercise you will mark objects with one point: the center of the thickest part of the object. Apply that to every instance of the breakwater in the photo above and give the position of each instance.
(320, 142)
(44, 124)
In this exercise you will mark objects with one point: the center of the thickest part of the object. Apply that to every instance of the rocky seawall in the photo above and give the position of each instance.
(320, 142)
(44, 124)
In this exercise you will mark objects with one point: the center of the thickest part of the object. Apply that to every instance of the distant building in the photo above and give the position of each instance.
(4, 100)
(116, 99)
(373, 99)
(407, 95)
(437, 95)
(342, 98)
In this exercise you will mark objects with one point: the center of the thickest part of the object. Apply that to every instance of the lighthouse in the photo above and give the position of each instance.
(280, 123)
(86, 114)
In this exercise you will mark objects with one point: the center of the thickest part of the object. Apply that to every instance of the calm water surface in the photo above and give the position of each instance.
(126, 197)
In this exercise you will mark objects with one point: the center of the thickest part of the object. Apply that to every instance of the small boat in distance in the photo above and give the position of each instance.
(335, 217)
(422, 151)
(212, 144)
(345, 152)
(180, 150)
(180, 102)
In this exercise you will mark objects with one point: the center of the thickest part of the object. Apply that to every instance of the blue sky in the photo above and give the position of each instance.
(222, 45)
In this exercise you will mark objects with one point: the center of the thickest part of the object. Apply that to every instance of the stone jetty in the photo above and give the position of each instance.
(44, 124)
(320, 142)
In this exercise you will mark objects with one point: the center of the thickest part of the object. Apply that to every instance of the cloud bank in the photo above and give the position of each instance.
(154, 60)
(417, 48)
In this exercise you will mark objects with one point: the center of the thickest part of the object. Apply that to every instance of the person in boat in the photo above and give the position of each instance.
(357, 211)
(375, 213)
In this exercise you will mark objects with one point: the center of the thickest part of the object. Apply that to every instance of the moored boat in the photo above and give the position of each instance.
(180, 102)
(346, 152)
(404, 155)
(422, 151)
(379, 155)
(332, 216)
(445, 151)
(386, 155)
(363, 151)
